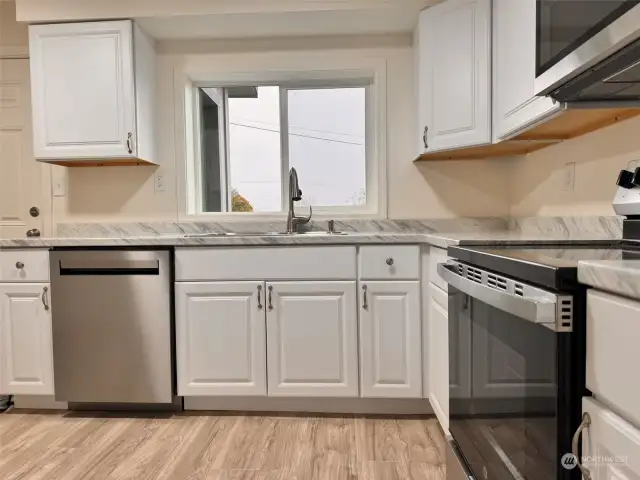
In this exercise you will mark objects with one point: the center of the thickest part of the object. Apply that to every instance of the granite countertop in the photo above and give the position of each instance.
(621, 277)
(442, 240)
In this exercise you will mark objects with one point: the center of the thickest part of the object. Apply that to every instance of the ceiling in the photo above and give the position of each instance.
(283, 24)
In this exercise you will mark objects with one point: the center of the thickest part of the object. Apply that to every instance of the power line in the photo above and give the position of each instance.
(295, 134)
(299, 128)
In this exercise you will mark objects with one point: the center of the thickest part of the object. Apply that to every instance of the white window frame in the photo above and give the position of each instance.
(373, 77)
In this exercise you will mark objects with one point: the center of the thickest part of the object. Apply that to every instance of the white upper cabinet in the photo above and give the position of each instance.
(220, 338)
(92, 92)
(26, 347)
(390, 340)
(312, 339)
(453, 44)
(515, 107)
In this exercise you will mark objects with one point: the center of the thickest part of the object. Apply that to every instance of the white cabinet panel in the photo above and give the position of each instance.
(220, 334)
(26, 349)
(610, 445)
(312, 344)
(390, 339)
(92, 96)
(454, 68)
(390, 262)
(83, 89)
(438, 352)
(613, 336)
(515, 105)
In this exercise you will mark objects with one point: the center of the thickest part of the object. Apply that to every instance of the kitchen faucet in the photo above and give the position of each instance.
(295, 195)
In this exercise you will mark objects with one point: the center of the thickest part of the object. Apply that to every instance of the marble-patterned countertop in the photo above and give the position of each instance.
(442, 240)
(621, 277)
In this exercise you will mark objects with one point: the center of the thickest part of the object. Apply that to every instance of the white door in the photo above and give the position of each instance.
(312, 339)
(24, 183)
(515, 105)
(26, 348)
(83, 90)
(220, 337)
(454, 63)
(390, 340)
(610, 445)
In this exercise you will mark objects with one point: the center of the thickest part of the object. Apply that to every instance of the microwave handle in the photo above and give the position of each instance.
(536, 311)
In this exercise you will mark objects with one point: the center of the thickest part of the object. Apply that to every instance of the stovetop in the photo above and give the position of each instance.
(551, 267)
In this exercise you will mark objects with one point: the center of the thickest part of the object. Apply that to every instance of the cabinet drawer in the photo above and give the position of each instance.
(613, 336)
(35, 266)
(390, 263)
(266, 263)
(436, 256)
(610, 445)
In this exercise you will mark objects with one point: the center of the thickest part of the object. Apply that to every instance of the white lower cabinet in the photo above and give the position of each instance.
(438, 351)
(390, 340)
(312, 344)
(610, 444)
(220, 336)
(26, 348)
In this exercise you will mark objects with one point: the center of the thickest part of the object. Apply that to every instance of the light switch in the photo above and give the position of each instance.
(58, 182)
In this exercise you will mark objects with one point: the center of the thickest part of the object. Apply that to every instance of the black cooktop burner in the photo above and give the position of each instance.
(552, 267)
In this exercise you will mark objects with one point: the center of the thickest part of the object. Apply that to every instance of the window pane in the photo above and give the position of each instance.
(327, 145)
(254, 149)
(212, 146)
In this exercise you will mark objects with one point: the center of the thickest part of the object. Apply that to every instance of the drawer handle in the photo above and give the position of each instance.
(586, 423)
(390, 261)
(45, 298)
(270, 297)
(130, 143)
(259, 297)
(19, 265)
(365, 305)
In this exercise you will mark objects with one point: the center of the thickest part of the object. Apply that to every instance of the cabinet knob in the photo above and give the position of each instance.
(390, 261)
(19, 265)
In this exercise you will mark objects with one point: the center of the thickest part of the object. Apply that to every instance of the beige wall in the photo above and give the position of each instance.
(442, 189)
(537, 186)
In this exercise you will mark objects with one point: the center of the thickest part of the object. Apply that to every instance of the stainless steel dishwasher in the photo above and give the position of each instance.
(112, 326)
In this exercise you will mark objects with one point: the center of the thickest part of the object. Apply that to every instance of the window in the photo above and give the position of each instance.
(249, 136)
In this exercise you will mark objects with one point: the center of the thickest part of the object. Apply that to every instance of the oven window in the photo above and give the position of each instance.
(564, 25)
(503, 392)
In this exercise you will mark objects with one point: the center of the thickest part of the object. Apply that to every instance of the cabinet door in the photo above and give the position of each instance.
(83, 90)
(390, 339)
(610, 445)
(26, 349)
(454, 63)
(312, 344)
(220, 336)
(514, 58)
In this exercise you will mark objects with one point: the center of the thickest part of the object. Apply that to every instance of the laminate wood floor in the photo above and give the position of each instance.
(74, 446)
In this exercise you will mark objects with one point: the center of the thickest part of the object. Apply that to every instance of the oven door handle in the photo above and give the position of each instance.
(542, 311)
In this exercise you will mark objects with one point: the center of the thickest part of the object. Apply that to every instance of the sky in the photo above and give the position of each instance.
(326, 146)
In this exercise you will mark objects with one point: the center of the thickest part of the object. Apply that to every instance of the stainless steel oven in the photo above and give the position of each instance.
(516, 363)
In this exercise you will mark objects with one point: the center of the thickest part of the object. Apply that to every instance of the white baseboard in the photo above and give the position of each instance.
(37, 402)
(443, 418)
(371, 406)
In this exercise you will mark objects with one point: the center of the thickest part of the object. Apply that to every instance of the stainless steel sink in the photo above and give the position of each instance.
(261, 234)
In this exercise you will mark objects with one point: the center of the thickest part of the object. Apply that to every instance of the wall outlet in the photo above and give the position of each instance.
(59, 184)
(569, 176)
(159, 184)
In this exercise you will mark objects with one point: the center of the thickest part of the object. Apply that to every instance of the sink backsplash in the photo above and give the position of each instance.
(565, 226)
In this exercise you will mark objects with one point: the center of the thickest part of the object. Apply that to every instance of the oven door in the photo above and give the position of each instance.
(513, 402)
(573, 35)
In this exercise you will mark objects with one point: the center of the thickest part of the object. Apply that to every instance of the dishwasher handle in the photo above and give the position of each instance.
(121, 267)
